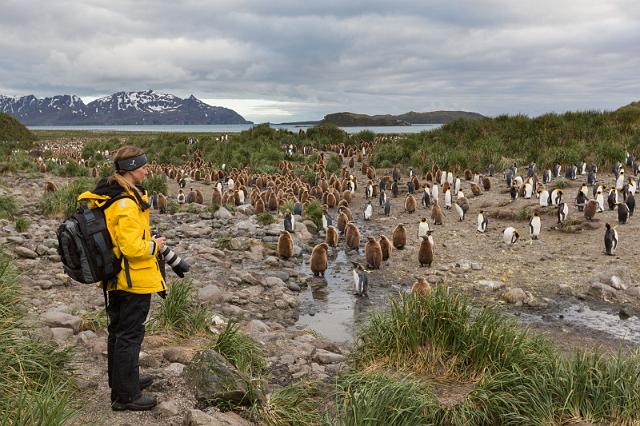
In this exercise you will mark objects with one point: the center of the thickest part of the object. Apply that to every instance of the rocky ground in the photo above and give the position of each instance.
(236, 274)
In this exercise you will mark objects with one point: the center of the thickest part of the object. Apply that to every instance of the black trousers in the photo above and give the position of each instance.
(127, 312)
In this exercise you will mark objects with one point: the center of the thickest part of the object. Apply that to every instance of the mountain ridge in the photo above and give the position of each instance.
(347, 119)
(120, 108)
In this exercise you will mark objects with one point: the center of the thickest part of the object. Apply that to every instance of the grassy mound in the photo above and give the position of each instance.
(11, 130)
(568, 138)
(510, 376)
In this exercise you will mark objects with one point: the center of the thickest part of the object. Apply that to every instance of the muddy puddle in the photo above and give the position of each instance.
(329, 307)
(328, 304)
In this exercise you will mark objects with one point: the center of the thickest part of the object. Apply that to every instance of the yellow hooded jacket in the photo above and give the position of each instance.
(128, 226)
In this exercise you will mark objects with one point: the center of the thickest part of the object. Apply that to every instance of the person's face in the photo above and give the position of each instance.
(139, 174)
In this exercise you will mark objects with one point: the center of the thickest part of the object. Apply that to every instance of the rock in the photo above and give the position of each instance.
(601, 291)
(61, 319)
(490, 285)
(476, 266)
(293, 287)
(617, 283)
(326, 357)
(311, 227)
(240, 243)
(175, 369)
(245, 209)
(222, 213)
(463, 265)
(214, 379)
(273, 282)
(283, 275)
(211, 294)
(178, 354)
(434, 279)
(168, 408)
(42, 334)
(148, 361)
(44, 284)
(61, 335)
(25, 252)
(199, 418)
(256, 328)
(86, 338)
(515, 295)
(15, 239)
(634, 291)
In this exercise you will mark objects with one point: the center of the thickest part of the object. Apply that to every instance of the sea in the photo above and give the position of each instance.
(235, 128)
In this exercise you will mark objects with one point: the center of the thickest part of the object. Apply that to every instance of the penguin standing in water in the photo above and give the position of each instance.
(623, 213)
(510, 236)
(289, 223)
(534, 226)
(368, 211)
(360, 280)
(423, 227)
(563, 212)
(483, 222)
(610, 240)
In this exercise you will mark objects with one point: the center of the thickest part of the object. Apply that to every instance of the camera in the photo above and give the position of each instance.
(178, 264)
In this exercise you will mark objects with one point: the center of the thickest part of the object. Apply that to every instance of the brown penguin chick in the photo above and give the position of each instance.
(272, 203)
(94, 172)
(191, 197)
(399, 237)
(351, 163)
(236, 197)
(425, 253)
(346, 196)
(162, 203)
(446, 186)
(285, 245)
(373, 253)
(319, 259)
(486, 183)
(50, 187)
(199, 197)
(371, 172)
(216, 197)
(590, 209)
(468, 174)
(436, 213)
(352, 237)
(347, 211)
(332, 236)
(259, 207)
(331, 200)
(343, 203)
(341, 222)
(475, 189)
(385, 246)
(410, 203)
(421, 287)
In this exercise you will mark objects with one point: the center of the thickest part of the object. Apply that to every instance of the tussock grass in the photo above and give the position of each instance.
(313, 212)
(95, 320)
(63, 201)
(265, 218)
(179, 312)
(295, 404)
(22, 224)
(518, 377)
(240, 350)
(156, 183)
(35, 382)
(8, 207)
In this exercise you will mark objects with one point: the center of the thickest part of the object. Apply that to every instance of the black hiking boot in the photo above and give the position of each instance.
(143, 403)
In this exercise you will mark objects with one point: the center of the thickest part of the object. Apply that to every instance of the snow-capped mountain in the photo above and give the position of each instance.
(121, 108)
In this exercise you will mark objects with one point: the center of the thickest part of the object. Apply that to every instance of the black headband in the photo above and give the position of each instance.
(129, 164)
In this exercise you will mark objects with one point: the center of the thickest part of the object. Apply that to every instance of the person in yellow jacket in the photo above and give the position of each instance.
(130, 291)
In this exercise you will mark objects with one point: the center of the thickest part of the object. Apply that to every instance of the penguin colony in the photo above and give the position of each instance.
(438, 192)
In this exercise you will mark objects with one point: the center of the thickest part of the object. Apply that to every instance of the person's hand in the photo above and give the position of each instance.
(160, 242)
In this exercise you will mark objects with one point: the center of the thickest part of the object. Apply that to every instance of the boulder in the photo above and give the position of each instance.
(217, 381)
(222, 213)
(515, 295)
(211, 294)
(60, 319)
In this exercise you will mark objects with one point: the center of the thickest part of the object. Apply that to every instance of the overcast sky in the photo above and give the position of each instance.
(294, 60)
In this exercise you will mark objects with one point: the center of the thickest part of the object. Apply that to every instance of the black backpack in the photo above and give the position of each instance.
(85, 247)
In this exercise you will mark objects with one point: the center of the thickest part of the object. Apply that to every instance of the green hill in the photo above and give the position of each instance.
(569, 138)
(346, 119)
(11, 130)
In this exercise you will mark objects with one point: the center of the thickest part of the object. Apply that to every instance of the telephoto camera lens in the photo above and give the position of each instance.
(179, 265)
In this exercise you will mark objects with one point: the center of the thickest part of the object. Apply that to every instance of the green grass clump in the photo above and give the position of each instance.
(334, 164)
(295, 404)
(179, 312)
(11, 130)
(95, 320)
(378, 398)
(35, 379)
(240, 350)
(265, 218)
(313, 212)
(8, 207)
(23, 224)
(559, 184)
(156, 183)
(63, 202)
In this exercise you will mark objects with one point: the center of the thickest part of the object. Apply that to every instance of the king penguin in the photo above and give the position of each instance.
(623, 213)
(610, 240)
(563, 212)
(510, 235)
(534, 226)
(447, 199)
(423, 227)
(289, 223)
(368, 211)
(360, 280)
(483, 221)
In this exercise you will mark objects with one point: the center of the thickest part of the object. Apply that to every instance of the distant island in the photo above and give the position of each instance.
(349, 119)
(122, 108)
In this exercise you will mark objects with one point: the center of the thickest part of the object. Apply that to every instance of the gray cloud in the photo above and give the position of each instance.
(311, 59)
